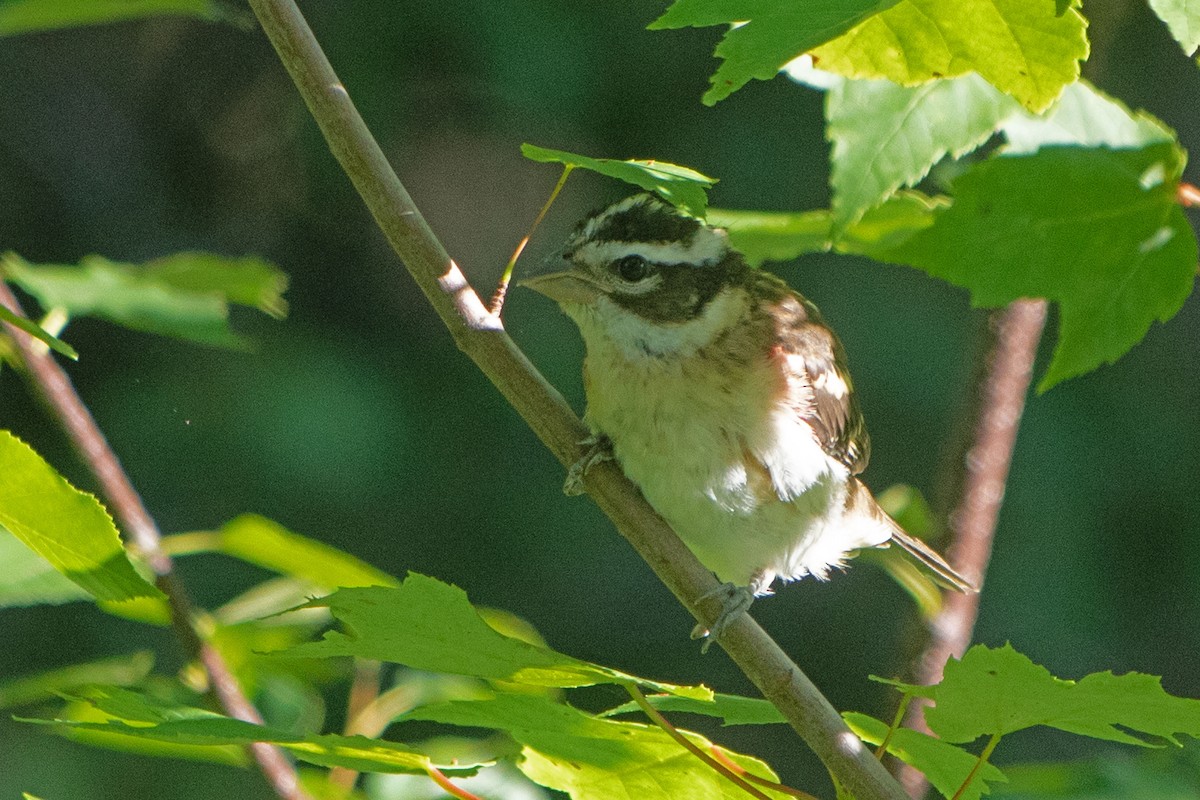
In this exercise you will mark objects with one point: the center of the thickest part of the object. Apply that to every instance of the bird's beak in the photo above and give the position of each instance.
(567, 286)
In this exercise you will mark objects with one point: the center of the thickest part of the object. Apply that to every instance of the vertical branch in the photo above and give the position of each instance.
(126, 504)
(980, 466)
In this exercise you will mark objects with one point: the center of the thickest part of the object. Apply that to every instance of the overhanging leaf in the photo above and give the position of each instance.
(67, 527)
(680, 186)
(774, 32)
(186, 295)
(1183, 20)
(887, 136)
(124, 670)
(1085, 116)
(1097, 231)
(729, 708)
(430, 625)
(27, 16)
(1024, 48)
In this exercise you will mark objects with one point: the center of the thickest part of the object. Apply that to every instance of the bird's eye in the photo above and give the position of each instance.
(632, 268)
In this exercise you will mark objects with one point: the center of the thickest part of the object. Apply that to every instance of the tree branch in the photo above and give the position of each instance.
(481, 336)
(979, 469)
(85, 435)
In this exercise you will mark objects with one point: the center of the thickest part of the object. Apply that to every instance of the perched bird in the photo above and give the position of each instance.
(725, 397)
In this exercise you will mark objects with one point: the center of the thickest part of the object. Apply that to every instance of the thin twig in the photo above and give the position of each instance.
(1188, 195)
(364, 690)
(481, 336)
(982, 468)
(85, 435)
(502, 290)
(665, 725)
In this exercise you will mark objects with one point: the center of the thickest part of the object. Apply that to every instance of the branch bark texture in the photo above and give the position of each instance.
(980, 469)
(85, 435)
(481, 336)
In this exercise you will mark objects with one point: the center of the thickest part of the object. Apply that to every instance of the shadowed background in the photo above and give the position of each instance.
(357, 422)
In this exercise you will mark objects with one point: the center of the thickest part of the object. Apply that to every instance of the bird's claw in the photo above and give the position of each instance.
(735, 601)
(597, 448)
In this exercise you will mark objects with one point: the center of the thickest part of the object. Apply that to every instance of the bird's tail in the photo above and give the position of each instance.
(941, 572)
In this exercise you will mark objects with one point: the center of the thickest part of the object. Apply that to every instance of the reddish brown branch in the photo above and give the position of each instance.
(981, 470)
(126, 504)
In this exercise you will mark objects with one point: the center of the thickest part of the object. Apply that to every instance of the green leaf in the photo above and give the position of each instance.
(126, 670)
(596, 759)
(430, 625)
(26, 16)
(1085, 116)
(29, 580)
(1183, 20)
(65, 526)
(175, 724)
(781, 236)
(731, 709)
(1097, 231)
(886, 136)
(265, 543)
(1024, 48)
(186, 295)
(775, 32)
(1157, 774)
(999, 691)
(680, 186)
(36, 331)
(945, 765)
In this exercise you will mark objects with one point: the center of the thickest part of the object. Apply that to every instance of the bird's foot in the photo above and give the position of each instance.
(597, 448)
(735, 601)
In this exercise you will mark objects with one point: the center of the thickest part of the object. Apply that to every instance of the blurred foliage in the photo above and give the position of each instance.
(359, 423)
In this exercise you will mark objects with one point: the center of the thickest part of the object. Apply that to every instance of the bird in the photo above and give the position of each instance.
(725, 397)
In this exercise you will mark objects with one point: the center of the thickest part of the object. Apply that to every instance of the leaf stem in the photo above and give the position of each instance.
(895, 726)
(191, 543)
(502, 289)
(979, 764)
(93, 449)
(720, 757)
(662, 722)
(364, 690)
(444, 782)
(481, 336)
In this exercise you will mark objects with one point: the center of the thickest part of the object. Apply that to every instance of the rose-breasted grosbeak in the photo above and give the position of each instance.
(724, 397)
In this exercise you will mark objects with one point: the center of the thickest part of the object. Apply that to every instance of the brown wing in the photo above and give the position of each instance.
(832, 408)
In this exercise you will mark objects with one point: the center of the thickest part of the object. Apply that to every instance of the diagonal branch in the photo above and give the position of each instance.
(481, 336)
(979, 467)
(85, 435)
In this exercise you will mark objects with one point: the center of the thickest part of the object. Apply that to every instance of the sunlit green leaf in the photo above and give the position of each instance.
(679, 186)
(67, 527)
(781, 236)
(126, 670)
(27, 16)
(36, 331)
(1183, 19)
(729, 708)
(1024, 48)
(1097, 231)
(999, 691)
(596, 759)
(887, 136)
(266, 543)
(774, 32)
(183, 725)
(945, 765)
(1085, 116)
(430, 625)
(186, 295)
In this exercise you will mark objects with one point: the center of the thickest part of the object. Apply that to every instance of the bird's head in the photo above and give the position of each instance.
(647, 276)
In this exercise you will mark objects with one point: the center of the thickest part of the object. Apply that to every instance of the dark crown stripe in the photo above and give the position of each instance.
(648, 221)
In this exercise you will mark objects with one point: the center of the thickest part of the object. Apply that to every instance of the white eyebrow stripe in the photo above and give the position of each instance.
(708, 246)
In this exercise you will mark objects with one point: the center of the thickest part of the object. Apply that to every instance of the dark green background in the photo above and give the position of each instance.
(358, 422)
